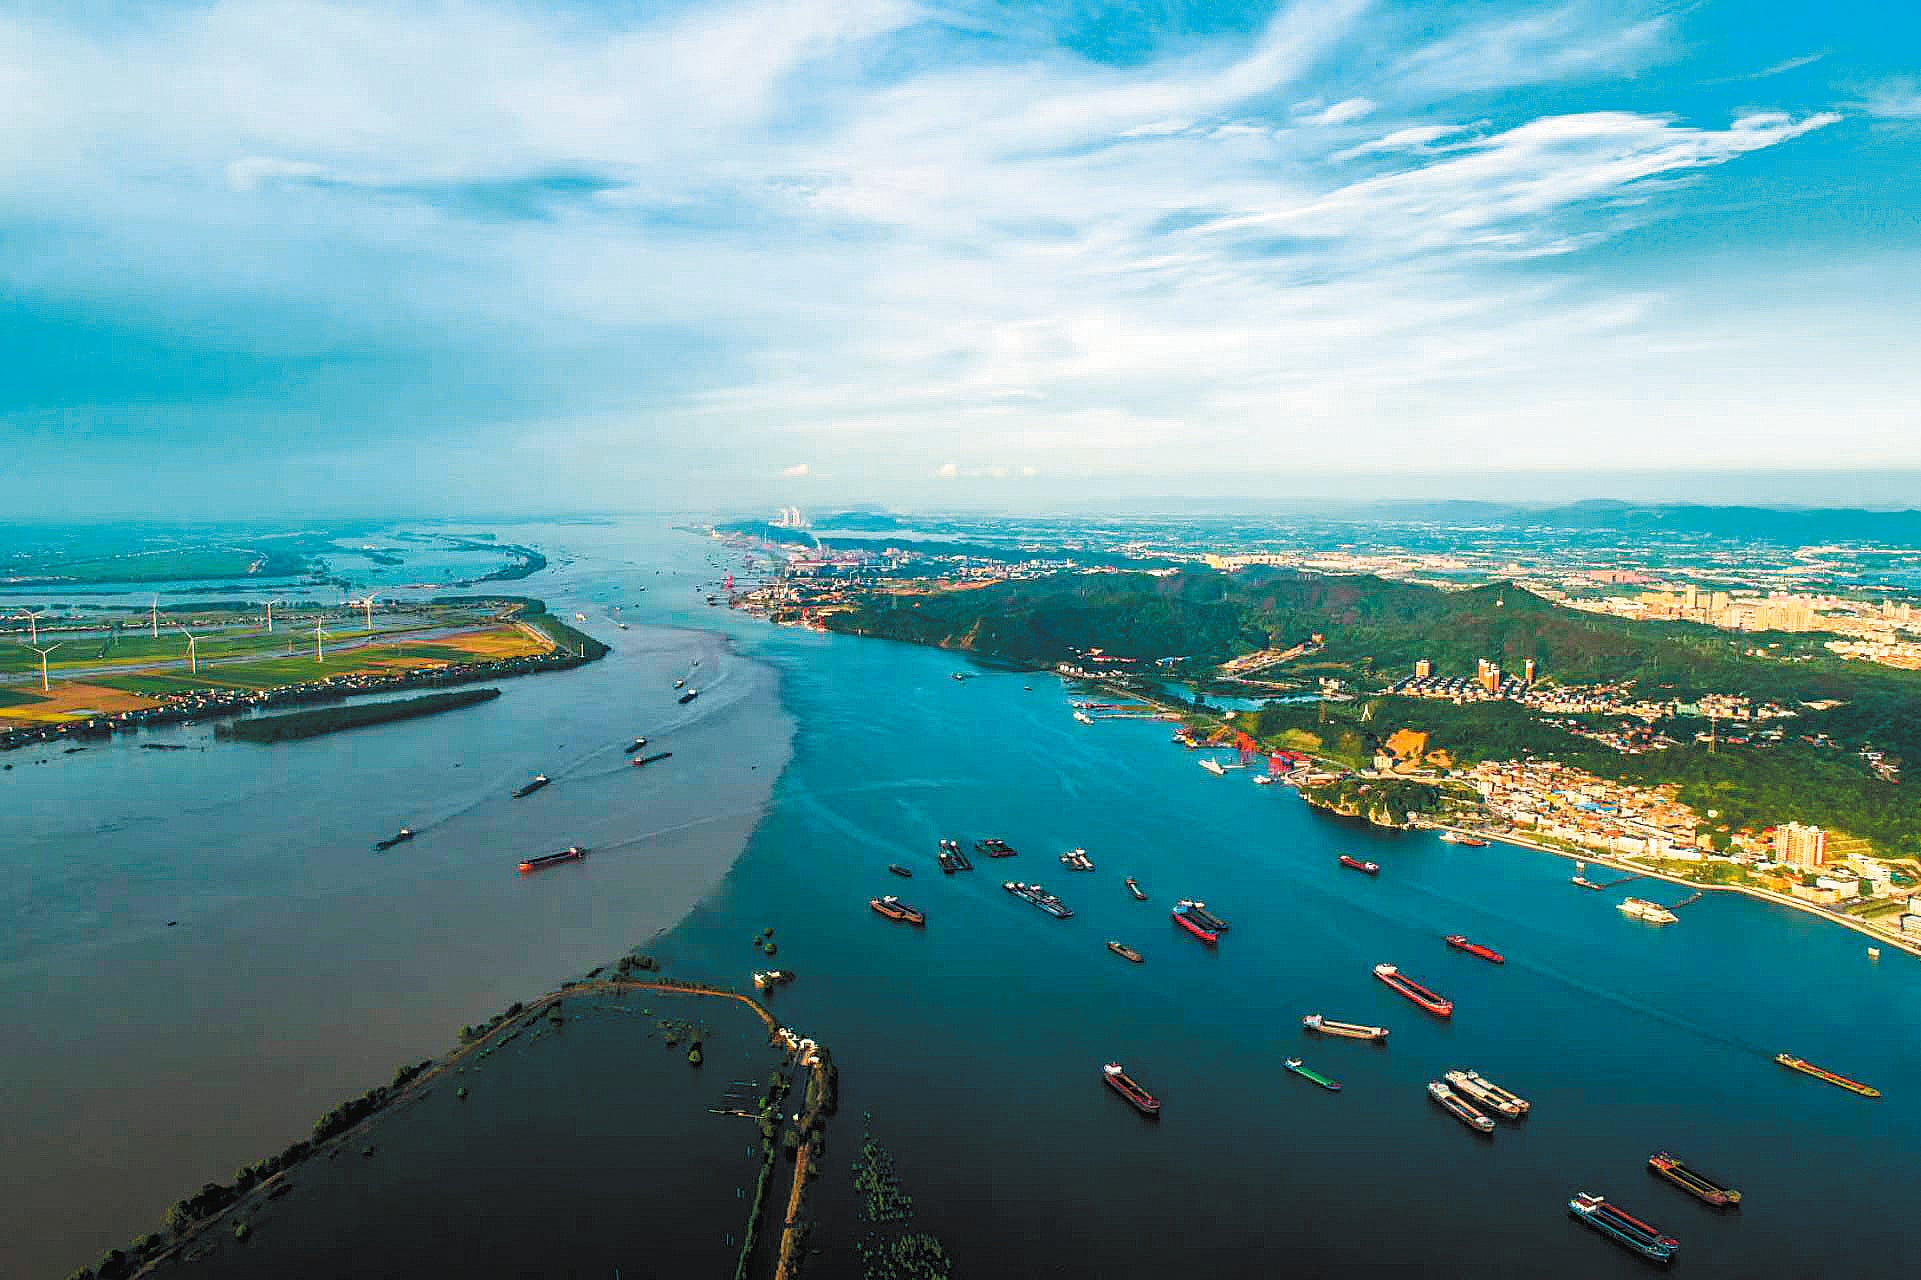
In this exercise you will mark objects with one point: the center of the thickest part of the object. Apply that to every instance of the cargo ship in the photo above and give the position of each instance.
(690, 695)
(1077, 860)
(952, 859)
(1695, 1183)
(1622, 1227)
(1120, 1082)
(572, 853)
(1301, 1069)
(899, 870)
(994, 847)
(1135, 889)
(1841, 1082)
(637, 744)
(1203, 917)
(1372, 868)
(641, 762)
(1488, 1094)
(538, 781)
(1347, 1030)
(1039, 897)
(1124, 952)
(1214, 767)
(1184, 917)
(894, 909)
(1438, 1005)
(399, 837)
(1460, 943)
(1642, 909)
(1458, 1107)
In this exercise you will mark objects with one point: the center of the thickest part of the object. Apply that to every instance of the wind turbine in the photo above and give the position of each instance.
(318, 655)
(270, 605)
(153, 615)
(193, 652)
(33, 625)
(44, 686)
(368, 605)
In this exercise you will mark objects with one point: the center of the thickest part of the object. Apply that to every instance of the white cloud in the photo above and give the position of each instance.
(1898, 98)
(797, 470)
(1346, 111)
(948, 470)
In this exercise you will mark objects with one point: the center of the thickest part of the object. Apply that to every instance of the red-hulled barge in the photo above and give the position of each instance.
(1435, 1003)
(1120, 1082)
(1460, 943)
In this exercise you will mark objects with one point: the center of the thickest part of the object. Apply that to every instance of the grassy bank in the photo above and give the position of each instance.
(321, 720)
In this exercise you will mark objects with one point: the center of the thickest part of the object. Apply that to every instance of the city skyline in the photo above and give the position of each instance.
(298, 255)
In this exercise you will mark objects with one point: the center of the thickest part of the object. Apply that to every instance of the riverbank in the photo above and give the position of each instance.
(1648, 873)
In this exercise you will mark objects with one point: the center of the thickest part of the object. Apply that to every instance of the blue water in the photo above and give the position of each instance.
(976, 1043)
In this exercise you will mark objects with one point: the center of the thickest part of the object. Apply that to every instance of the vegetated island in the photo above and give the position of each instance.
(321, 720)
(229, 1209)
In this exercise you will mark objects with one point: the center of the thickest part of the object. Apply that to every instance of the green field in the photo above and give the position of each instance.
(179, 565)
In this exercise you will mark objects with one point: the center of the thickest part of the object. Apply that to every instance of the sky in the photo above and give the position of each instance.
(290, 256)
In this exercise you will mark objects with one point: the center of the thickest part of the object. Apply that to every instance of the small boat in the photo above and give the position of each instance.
(1624, 1228)
(1458, 1107)
(538, 781)
(1135, 889)
(1214, 767)
(640, 762)
(1874, 953)
(1838, 1081)
(768, 979)
(1470, 842)
(899, 870)
(1371, 868)
(1301, 1069)
(1263, 779)
(636, 745)
(1083, 717)
(1347, 1030)
(1077, 860)
(690, 695)
(1460, 943)
(1449, 837)
(681, 683)
(894, 909)
(1119, 1081)
(1488, 1094)
(572, 853)
(399, 837)
(1124, 951)
(1695, 1183)
(1438, 1005)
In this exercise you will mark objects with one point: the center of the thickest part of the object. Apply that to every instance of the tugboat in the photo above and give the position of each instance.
(1696, 1184)
(690, 695)
(994, 847)
(1119, 1081)
(1348, 1030)
(1622, 1227)
(538, 781)
(1135, 889)
(1039, 897)
(1372, 868)
(1124, 952)
(1184, 917)
(1488, 1094)
(1301, 1069)
(899, 870)
(1077, 860)
(399, 837)
(1438, 1005)
(894, 909)
(572, 853)
(1460, 943)
(1839, 1082)
(1458, 1107)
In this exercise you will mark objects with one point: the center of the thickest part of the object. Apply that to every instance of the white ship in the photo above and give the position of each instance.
(1214, 767)
(1083, 717)
(1652, 912)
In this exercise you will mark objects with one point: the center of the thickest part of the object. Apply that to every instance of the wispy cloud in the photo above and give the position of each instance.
(1896, 98)
(1775, 69)
(797, 470)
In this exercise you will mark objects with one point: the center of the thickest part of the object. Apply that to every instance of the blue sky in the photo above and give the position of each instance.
(307, 255)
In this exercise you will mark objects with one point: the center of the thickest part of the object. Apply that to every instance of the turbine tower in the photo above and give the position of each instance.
(318, 654)
(193, 651)
(44, 686)
(368, 605)
(33, 626)
(153, 615)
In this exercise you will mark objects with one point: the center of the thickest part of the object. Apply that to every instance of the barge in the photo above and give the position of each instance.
(1435, 1003)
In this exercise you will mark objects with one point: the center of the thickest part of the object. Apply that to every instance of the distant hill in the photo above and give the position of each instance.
(1796, 526)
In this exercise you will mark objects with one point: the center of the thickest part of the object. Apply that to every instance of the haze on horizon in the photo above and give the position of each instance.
(298, 256)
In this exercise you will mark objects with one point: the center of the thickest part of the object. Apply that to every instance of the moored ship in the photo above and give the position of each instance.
(1623, 1227)
(768, 979)
(572, 853)
(1203, 916)
(1435, 1003)
(1460, 943)
(1692, 1181)
(1077, 860)
(534, 784)
(1355, 864)
(1458, 1107)
(994, 847)
(1135, 889)
(1124, 951)
(399, 837)
(1486, 1093)
(1306, 1072)
(1642, 909)
(1184, 918)
(1039, 897)
(1838, 1081)
(1347, 1030)
(952, 859)
(899, 870)
(641, 762)
(1214, 767)
(636, 745)
(894, 909)
(1120, 1082)
(690, 695)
